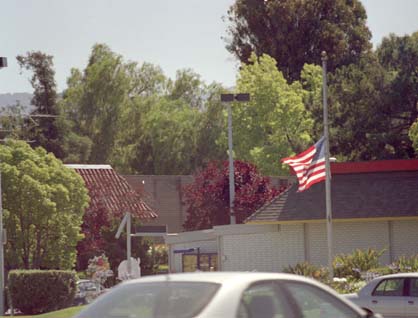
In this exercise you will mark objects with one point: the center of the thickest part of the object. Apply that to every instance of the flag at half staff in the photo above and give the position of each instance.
(309, 165)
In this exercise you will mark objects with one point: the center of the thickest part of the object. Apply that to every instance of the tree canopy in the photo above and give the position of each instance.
(275, 122)
(295, 32)
(43, 131)
(43, 207)
(208, 196)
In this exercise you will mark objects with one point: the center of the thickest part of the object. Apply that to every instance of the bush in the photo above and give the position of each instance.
(351, 265)
(309, 270)
(37, 291)
(405, 264)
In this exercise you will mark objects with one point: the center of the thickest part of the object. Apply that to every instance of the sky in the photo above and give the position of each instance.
(171, 34)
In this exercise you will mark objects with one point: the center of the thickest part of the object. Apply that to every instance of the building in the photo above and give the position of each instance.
(374, 205)
(109, 190)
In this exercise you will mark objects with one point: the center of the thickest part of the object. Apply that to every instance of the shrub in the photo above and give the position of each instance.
(347, 286)
(405, 264)
(37, 291)
(351, 265)
(309, 270)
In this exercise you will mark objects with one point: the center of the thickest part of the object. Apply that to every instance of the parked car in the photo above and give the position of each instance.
(222, 294)
(87, 290)
(393, 295)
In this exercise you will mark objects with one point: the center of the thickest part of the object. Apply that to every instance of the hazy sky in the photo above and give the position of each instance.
(172, 34)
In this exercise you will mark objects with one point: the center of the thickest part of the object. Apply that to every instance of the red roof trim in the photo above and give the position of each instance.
(374, 166)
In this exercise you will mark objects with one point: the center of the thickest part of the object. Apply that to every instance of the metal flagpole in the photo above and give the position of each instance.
(231, 168)
(324, 59)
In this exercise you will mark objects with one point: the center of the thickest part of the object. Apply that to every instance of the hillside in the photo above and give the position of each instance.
(11, 99)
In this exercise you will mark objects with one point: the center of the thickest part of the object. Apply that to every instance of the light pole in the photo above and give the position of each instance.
(228, 99)
(328, 207)
(3, 63)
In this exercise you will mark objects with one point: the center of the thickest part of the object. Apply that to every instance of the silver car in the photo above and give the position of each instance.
(393, 295)
(222, 294)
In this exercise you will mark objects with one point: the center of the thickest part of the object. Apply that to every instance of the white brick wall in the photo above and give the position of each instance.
(271, 251)
(405, 238)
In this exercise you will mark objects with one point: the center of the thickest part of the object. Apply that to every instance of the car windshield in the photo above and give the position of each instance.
(150, 300)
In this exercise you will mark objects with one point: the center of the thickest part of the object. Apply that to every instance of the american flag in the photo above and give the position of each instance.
(309, 165)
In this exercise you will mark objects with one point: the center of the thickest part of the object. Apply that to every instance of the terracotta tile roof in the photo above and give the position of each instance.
(108, 189)
(364, 194)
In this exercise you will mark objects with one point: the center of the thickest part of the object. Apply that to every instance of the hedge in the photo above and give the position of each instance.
(39, 291)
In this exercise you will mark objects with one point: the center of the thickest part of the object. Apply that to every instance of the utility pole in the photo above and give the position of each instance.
(3, 63)
(228, 98)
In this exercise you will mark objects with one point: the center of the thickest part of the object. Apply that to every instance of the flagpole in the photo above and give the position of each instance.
(324, 59)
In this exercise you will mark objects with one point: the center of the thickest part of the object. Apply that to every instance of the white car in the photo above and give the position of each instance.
(222, 294)
(393, 295)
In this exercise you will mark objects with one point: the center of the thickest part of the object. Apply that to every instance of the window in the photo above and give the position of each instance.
(204, 262)
(389, 287)
(263, 300)
(413, 287)
(314, 302)
(148, 300)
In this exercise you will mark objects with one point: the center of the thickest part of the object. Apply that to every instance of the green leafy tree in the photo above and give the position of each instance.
(45, 132)
(295, 32)
(94, 100)
(413, 134)
(158, 136)
(43, 207)
(188, 87)
(359, 118)
(399, 56)
(275, 122)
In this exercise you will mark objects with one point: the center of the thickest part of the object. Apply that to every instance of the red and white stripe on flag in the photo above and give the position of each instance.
(309, 165)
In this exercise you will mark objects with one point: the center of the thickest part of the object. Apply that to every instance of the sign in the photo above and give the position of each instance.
(150, 230)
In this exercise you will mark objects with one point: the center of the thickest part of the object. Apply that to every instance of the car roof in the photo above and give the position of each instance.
(399, 275)
(219, 277)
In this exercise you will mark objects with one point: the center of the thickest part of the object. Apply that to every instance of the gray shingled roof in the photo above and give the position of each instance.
(354, 195)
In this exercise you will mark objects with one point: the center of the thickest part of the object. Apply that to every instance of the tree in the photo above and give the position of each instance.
(46, 132)
(413, 134)
(43, 207)
(295, 32)
(207, 197)
(189, 87)
(94, 101)
(359, 118)
(163, 135)
(399, 56)
(275, 122)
